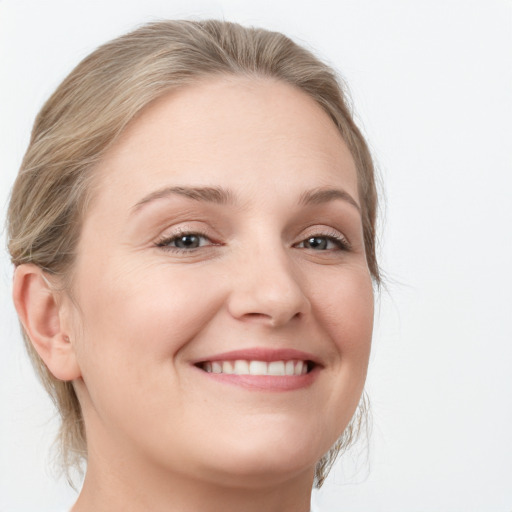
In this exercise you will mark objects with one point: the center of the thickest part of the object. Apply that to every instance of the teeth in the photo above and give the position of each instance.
(276, 368)
(243, 367)
(227, 367)
(258, 368)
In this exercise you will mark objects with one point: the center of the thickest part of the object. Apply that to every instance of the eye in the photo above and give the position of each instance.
(324, 243)
(184, 242)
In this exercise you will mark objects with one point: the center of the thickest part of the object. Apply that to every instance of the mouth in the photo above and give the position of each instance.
(262, 369)
(280, 368)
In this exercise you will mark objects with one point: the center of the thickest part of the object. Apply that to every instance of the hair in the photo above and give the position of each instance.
(91, 108)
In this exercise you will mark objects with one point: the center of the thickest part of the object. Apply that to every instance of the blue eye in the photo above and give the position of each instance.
(324, 243)
(184, 242)
(187, 242)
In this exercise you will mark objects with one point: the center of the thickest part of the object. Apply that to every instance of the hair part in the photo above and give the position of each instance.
(91, 108)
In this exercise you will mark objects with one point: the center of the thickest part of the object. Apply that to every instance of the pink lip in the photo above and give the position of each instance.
(267, 383)
(261, 354)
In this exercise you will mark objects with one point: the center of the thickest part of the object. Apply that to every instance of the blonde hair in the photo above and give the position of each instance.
(92, 107)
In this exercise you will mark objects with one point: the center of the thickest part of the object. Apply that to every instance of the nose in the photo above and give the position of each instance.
(267, 289)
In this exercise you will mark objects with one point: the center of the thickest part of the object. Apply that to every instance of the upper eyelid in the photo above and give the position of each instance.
(333, 235)
(310, 231)
(209, 231)
(327, 231)
(188, 228)
(204, 227)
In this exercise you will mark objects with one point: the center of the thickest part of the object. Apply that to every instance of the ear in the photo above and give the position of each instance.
(44, 319)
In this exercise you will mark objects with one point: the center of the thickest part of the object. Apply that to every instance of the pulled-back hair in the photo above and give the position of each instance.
(92, 107)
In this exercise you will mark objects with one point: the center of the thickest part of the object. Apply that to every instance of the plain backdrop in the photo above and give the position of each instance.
(431, 83)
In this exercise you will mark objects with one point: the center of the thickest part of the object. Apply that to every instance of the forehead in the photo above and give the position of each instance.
(246, 133)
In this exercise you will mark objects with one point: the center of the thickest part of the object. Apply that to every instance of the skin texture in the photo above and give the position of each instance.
(162, 434)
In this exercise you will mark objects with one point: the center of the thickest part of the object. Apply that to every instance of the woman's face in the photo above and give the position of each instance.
(225, 226)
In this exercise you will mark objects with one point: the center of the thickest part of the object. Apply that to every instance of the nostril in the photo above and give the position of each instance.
(257, 317)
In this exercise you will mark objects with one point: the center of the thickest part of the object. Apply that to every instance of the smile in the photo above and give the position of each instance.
(284, 368)
(262, 369)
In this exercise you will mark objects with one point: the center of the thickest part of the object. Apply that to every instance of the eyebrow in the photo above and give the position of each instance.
(325, 195)
(219, 195)
(208, 194)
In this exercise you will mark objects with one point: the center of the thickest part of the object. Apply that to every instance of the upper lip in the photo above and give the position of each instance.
(261, 354)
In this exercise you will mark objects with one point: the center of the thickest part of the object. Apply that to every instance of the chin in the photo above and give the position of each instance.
(263, 472)
(267, 460)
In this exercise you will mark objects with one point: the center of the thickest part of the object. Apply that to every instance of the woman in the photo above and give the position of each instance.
(193, 231)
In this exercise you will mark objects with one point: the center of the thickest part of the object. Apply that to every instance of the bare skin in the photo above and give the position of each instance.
(225, 219)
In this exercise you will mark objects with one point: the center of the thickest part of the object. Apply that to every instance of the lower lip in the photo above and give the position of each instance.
(265, 382)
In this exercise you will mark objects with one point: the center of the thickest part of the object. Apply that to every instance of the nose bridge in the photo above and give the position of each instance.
(267, 287)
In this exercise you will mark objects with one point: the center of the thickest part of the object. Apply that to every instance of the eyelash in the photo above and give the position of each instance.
(340, 241)
(165, 242)
(342, 244)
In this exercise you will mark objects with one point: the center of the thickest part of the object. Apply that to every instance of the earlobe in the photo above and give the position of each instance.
(41, 314)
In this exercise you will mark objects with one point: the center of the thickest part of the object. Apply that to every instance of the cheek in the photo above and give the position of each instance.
(144, 313)
(343, 307)
(134, 322)
(346, 314)
(345, 303)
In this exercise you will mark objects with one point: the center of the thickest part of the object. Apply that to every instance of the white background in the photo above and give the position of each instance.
(432, 87)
